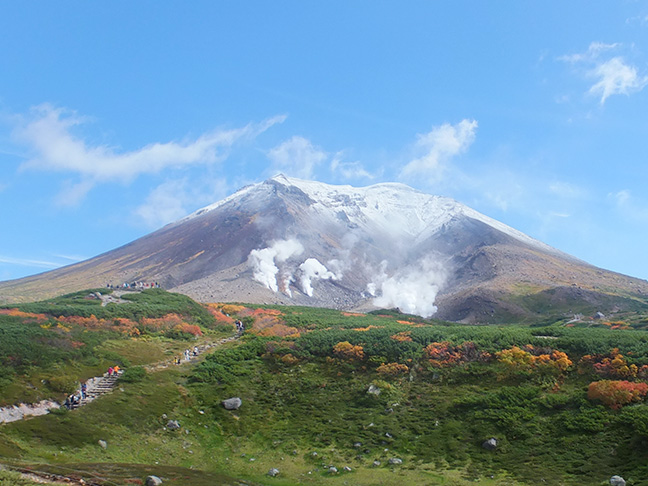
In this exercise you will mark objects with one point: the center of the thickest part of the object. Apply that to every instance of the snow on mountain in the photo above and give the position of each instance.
(391, 208)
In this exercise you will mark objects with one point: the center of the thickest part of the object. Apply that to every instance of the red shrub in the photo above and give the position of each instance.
(616, 394)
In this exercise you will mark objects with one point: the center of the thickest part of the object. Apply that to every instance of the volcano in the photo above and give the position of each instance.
(295, 242)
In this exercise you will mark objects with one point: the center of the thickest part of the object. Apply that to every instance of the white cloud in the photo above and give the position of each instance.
(174, 199)
(629, 207)
(438, 146)
(72, 258)
(48, 134)
(164, 204)
(349, 170)
(567, 190)
(72, 193)
(612, 75)
(593, 52)
(616, 77)
(296, 157)
(25, 262)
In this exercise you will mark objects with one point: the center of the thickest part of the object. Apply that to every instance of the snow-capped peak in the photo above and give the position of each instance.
(389, 207)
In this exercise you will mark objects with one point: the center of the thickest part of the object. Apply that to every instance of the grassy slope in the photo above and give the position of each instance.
(435, 422)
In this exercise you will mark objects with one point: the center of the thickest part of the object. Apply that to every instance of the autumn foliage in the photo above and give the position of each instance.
(392, 369)
(528, 358)
(402, 336)
(616, 394)
(29, 316)
(612, 365)
(445, 354)
(131, 327)
(348, 352)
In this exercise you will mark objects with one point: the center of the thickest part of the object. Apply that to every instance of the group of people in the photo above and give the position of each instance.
(135, 285)
(188, 353)
(75, 399)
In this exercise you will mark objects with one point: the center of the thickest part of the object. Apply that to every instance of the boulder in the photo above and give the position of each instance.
(232, 403)
(347, 469)
(395, 461)
(173, 425)
(373, 390)
(103, 444)
(273, 472)
(332, 470)
(376, 463)
(152, 481)
(490, 444)
(617, 481)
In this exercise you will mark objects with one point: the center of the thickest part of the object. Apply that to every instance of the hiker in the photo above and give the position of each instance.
(195, 351)
(68, 402)
(116, 370)
(110, 371)
(84, 390)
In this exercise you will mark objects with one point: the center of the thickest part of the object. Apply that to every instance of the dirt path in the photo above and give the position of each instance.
(101, 385)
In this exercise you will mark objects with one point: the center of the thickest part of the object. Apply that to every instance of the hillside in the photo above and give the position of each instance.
(328, 397)
(294, 242)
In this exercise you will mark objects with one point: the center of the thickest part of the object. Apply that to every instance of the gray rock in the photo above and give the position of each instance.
(332, 470)
(490, 444)
(103, 444)
(395, 461)
(617, 481)
(376, 463)
(152, 481)
(357, 445)
(173, 425)
(373, 390)
(273, 472)
(232, 403)
(347, 469)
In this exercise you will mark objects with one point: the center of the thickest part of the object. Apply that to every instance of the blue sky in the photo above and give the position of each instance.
(119, 117)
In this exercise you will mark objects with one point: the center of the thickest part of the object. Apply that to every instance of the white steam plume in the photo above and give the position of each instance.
(413, 290)
(263, 261)
(312, 269)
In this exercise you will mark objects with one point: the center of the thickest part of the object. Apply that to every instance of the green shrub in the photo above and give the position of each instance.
(62, 384)
(133, 375)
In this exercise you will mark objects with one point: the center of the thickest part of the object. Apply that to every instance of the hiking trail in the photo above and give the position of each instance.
(101, 385)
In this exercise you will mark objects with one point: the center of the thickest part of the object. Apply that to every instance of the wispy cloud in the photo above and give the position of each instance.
(71, 258)
(174, 199)
(629, 206)
(349, 171)
(27, 262)
(567, 190)
(612, 75)
(48, 134)
(437, 147)
(296, 157)
(616, 77)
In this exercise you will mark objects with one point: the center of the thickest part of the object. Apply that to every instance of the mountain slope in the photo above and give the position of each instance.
(298, 242)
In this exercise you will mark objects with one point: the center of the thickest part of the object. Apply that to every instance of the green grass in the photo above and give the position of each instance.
(435, 420)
